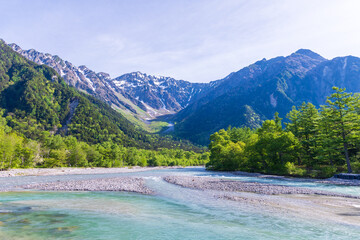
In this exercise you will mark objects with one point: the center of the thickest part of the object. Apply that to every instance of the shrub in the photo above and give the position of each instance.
(293, 170)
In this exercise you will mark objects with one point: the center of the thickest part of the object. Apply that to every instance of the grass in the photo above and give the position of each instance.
(151, 126)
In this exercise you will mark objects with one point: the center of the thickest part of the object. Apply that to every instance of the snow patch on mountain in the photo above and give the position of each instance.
(273, 100)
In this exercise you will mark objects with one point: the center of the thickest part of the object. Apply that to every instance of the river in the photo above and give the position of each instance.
(173, 212)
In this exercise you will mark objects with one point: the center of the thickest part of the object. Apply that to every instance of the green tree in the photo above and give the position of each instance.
(343, 121)
(304, 124)
(275, 145)
(77, 155)
(224, 153)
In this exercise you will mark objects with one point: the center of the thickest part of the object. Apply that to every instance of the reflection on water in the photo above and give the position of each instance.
(173, 213)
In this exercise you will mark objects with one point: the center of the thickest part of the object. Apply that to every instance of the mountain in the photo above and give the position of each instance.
(36, 99)
(256, 92)
(37, 102)
(243, 98)
(80, 77)
(157, 95)
(139, 94)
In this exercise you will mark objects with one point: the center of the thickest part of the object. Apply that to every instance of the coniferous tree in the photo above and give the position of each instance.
(343, 121)
(304, 124)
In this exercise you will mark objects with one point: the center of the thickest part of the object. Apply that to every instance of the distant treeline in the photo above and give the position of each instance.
(49, 150)
(315, 142)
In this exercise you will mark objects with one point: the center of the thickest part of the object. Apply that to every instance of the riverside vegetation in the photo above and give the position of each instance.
(315, 142)
(17, 151)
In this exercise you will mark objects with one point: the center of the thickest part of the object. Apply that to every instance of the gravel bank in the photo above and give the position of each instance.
(207, 183)
(128, 184)
(68, 171)
(332, 180)
(338, 181)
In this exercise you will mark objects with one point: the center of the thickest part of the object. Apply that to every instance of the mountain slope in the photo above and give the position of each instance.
(255, 93)
(81, 77)
(38, 102)
(36, 96)
(141, 95)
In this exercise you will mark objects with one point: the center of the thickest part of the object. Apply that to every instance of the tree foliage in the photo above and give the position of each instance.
(17, 151)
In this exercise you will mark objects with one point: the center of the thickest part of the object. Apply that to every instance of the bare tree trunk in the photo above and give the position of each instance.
(331, 161)
(346, 148)
(347, 157)
(263, 160)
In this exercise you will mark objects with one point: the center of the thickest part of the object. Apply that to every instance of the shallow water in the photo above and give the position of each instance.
(173, 213)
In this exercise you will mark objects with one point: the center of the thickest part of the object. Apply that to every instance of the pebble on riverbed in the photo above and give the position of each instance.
(128, 184)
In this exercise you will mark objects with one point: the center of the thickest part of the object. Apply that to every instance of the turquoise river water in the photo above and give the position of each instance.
(172, 213)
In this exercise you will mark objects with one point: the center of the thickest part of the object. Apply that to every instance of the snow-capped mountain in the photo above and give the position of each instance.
(140, 94)
(80, 77)
(164, 94)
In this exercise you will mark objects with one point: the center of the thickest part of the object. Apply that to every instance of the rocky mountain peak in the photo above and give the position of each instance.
(104, 75)
(309, 53)
(157, 95)
(15, 47)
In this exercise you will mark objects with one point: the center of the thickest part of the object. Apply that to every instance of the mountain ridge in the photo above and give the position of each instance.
(37, 103)
(243, 98)
(256, 92)
(172, 96)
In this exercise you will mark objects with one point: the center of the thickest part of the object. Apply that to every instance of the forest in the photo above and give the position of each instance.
(51, 150)
(312, 142)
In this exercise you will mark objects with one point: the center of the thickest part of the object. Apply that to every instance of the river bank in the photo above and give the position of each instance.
(119, 184)
(208, 183)
(307, 203)
(97, 170)
(74, 171)
(332, 180)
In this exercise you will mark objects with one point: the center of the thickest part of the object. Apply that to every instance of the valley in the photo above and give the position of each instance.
(188, 120)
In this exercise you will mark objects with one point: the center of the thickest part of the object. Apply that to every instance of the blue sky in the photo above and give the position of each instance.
(194, 40)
